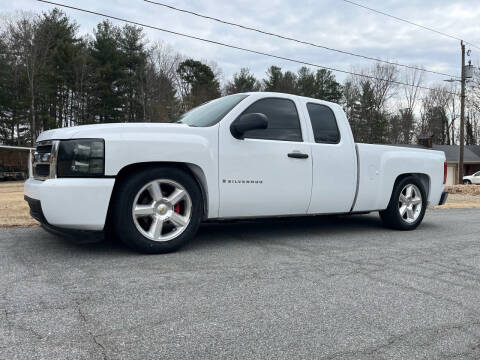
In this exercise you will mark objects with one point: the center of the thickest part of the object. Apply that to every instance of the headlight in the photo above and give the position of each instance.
(81, 158)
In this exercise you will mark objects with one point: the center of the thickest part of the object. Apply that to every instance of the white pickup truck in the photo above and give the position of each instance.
(241, 156)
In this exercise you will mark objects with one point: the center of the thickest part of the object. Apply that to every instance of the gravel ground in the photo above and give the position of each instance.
(329, 287)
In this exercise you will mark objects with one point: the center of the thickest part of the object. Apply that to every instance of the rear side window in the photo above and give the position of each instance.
(283, 121)
(324, 124)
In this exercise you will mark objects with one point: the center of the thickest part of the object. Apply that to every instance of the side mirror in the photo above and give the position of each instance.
(248, 122)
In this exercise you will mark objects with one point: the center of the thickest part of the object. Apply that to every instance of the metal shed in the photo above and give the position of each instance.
(14, 162)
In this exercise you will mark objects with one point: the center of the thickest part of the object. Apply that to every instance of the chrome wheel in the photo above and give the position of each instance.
(162, 210)
(410, 203)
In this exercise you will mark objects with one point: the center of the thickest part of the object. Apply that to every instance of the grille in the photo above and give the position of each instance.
(42, 170)
(44, 148)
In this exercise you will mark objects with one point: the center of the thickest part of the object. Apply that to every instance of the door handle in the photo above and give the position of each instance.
(298, 155)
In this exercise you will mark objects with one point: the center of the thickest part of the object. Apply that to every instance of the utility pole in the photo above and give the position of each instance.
(462, 118)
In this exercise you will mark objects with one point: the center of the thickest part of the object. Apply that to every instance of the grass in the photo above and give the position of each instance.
(14, 210)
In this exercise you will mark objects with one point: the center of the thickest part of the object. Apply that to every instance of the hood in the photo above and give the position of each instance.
(104, 130)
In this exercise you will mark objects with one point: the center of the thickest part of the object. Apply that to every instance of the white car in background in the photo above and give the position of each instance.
(472, 179)
(248, 155)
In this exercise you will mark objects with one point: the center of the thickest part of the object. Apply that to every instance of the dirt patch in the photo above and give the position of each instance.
(14, 210)
(462, 196)
(464, 189)
(456, 201)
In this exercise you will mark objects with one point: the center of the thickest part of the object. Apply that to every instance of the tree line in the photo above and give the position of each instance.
(51, 77)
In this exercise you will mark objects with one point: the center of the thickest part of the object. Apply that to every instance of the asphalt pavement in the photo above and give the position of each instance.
(310, 288)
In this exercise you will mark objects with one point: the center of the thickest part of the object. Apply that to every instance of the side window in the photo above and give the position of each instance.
(283, 121)
(324, 124)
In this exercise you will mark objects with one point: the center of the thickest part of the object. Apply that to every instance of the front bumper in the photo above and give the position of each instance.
(86, 236)
(79, 204)
(443, 198)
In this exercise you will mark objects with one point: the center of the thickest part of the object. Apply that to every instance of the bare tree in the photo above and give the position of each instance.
(473, 107)
(367, 99)
(166, 59)
(435, 119)
(31, 51)
(383, 86)
(412, 94)
(453, 108)
(403, 125)
(162, 84)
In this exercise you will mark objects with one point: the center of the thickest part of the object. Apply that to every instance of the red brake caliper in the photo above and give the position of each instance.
(176, 208)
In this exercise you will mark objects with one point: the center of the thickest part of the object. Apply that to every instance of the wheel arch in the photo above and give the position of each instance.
(423, 178)
(391, 216)
(194, 170)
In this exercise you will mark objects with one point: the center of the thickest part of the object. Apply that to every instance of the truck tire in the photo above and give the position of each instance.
(407, 205)
(157, 210)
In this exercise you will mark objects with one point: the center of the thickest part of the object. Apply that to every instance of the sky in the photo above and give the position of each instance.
(332, 23)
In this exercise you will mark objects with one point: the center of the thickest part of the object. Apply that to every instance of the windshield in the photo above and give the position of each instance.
(212, 112)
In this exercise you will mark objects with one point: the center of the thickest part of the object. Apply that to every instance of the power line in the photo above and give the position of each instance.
(410, 22)
(296, 40)
(238, 47)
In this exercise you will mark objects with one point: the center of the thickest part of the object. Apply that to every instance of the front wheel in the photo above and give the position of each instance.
(157, 210)
(407, 205)
(467, 182)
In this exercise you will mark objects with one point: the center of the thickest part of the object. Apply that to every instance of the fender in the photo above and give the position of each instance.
(195, 147)
(381, 166)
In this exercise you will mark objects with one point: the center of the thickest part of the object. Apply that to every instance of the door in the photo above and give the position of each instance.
(269, 172)
(451, 173)
(334, 160)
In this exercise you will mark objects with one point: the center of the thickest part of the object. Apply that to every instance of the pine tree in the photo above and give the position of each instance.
(277, 81)
(107, 69)
(244, 81)
(200, 81)
(134, 58)
(56, 77)
(306, 82)
(326, 87)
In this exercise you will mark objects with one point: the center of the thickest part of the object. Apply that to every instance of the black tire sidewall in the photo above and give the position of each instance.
(123, 220)
(392, 217)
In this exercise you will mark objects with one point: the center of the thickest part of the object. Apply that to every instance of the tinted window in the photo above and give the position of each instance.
(324, 124)
(283, 122)
(212, 112)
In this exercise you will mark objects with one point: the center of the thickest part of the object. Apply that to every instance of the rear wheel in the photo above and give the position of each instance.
(157, 210)
(407, 205)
